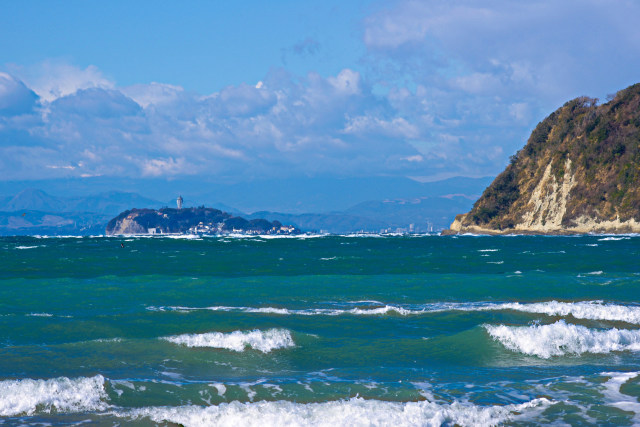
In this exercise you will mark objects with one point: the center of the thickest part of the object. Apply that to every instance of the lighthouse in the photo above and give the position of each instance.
(179, 201)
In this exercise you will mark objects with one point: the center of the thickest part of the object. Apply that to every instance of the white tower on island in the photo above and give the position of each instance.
(179, 201)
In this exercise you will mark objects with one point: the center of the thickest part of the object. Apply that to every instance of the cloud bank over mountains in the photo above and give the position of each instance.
(282, 124)
(445, 88)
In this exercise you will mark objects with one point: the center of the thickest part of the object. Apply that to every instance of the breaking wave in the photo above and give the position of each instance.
(27, 396)
(560, 339)
(356, 411)
(591, 310)
(263, 341)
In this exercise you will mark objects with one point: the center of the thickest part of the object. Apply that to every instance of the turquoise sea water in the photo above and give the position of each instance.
(423, 330)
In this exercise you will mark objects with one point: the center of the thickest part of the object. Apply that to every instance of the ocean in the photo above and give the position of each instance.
(320, 330)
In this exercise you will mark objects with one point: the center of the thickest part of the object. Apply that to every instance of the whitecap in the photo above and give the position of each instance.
(264, 341)
(591, 310)
(26, 396)
(604, 239)
(220, 388)
(614, 397)
(26, 247)
(561, 339)
(353, 412)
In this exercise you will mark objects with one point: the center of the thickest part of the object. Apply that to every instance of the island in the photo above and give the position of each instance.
(578, 173)
(200, 220)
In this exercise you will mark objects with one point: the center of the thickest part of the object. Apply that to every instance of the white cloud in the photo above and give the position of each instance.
(153, 93)
(397, 127)
(54, 79)
(164, 167)
(286, 126)
(15, 97)
(346, 82)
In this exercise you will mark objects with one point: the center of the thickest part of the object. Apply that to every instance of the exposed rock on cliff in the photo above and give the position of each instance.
(578, 173)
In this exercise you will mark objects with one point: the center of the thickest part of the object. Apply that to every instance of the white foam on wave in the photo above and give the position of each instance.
(591, 310)
(26, 247)
(264, 341)
(605, 239)
(301, 312)
(614, 397)
(561, 338)
(353, 412)
(220, 388)
(28, 396)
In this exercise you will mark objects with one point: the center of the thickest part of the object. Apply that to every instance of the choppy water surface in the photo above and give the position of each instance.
(322, 331)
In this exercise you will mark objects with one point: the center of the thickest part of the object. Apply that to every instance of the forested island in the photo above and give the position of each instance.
(578, 173)
(198, 220)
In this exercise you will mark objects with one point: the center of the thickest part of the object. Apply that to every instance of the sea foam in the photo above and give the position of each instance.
(264, 341)
(353, 412)
(592, 310)
(561, 338)
(27, 396)
(614, 397)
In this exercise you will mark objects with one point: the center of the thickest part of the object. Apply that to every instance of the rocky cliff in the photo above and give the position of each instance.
(578, 173)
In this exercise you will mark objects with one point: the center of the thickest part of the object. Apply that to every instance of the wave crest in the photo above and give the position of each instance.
(356, 411)
(264, 341)
(26, 396)
(560, 339)
(593, 310)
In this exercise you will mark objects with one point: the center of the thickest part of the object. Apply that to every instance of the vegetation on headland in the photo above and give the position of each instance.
(191, 220)
(581, 164)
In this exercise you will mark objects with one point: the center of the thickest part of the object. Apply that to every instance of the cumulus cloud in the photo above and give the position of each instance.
(55, 79)
(15, 97)
(96, 103)
(285, 125)
(485, 73)
(445, 88)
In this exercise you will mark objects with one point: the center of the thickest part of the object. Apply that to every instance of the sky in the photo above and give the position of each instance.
(248, 90)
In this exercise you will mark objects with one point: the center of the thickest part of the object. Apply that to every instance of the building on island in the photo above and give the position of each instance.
(179, 201)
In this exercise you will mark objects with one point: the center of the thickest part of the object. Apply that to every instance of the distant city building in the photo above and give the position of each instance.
(179, 201)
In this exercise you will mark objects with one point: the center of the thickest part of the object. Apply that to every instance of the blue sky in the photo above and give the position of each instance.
(252, 89)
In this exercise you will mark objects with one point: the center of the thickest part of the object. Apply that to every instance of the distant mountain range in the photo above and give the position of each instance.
(332, 205)
(109, 203)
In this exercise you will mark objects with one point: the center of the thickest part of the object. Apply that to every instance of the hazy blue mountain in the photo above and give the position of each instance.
(110, 203)
(423, 212)
(329, 222)
(33, 199)
(31, 222)
(294, 195)
(332, 194)
(331, 204)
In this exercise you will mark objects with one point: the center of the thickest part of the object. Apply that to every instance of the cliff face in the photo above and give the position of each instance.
(125, 225)
(578, 173)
